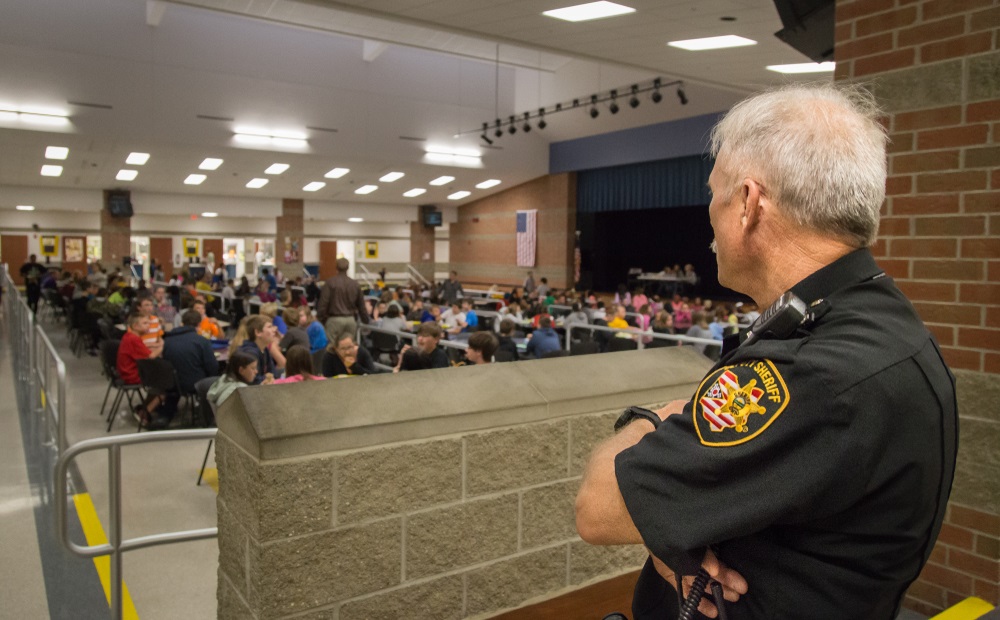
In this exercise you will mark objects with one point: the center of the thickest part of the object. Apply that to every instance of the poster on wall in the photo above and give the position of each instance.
(73, 250)
(292, 246)
(50, 245)
(190, 248)
(371, 249)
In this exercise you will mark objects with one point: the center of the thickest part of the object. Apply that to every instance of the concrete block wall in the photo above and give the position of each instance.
(934, 66)
(483, 243)
(459, 506)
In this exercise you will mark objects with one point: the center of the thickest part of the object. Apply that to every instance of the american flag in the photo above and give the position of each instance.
(526, 233)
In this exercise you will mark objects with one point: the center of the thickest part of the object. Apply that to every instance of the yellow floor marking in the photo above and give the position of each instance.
(95, 535)
(968, 609)
(211, 478)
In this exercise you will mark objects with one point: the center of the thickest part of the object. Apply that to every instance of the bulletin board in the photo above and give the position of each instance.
(190, 248)
(371, 249)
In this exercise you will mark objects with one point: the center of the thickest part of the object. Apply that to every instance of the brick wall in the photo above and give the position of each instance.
(422, 254)
(289, 228)
(934, 65)
(115, 237)
(483, 246)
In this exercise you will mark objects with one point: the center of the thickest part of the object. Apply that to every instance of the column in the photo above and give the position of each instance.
(422, 249)
(115, 236)
(288, 238)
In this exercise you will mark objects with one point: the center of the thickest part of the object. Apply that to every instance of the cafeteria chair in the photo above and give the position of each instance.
(109, 361)
(159, 377)
(385, 344)
(504, 356)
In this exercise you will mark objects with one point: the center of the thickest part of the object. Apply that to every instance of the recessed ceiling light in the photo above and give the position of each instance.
(804, 67)
(336, 173)
(210, 163)
(488, 184)
(392, 176)
(315, 186)
(257, 183)
(276, 168)
(25, 208)
(355, 219)
(127, 175)
(195, 179)
(366, 189)
(459, 195)
(56, 152)
(137, 159)
(712, 43)
(416, 191)
(591, 10)
(210, 214)
(442, 180)
(49, 170)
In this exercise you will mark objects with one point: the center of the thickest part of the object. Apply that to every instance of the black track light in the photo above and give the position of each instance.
(527, 125)
(614, 103)
(486, 139)
(541, 118)
(634, 101)
(681, 95)
(656, 96)
(594, 112)
(499, 132)
(513, 128)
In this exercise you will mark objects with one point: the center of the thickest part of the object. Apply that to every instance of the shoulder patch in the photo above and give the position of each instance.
(734, 404)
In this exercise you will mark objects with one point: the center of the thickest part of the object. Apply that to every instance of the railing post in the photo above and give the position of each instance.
(115, 528)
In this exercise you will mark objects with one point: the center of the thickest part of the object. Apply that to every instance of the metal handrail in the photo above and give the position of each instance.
(115, 546)
(419, 276)
(366, 275)
(55, 414)
(632, 331)
(448, 344)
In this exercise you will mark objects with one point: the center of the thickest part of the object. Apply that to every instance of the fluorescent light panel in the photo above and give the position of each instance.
(56, 152)
(195, 179)
(416, 191)
(34, 115)
(51, 171)
(137, 159)
(460, 152)
(25, 208)
(488, 184)
(366, 189)
(459, 195)
(442, 180)
(276, 168)
(804, 67)
(315, 186)
(210, 214)
(336, 173)
(591, 10)
(712, 43)
(127, 175)
(392, 176)
(210, 163)
(355, 219)
(257, 183)
(288, 134)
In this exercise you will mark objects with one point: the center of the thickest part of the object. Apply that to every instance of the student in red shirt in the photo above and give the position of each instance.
(130, 351)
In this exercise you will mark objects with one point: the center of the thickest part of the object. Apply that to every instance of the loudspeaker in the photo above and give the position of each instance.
(808, 26)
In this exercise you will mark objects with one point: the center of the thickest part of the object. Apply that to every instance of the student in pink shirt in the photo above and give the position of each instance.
(639, 299)
(298, 366)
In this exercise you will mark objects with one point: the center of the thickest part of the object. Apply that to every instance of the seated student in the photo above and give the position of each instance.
(683, 317)
(270, 310)
(513, 311)
(191, 355)
(427, 353)
(471, 318)
(296, 334)
(699, 329)
(639, 299)
(394, 320)
(130, 351)
(241, 371)
(544, 339)
(264, 293)
(298, 366)
(663, 323)
(619, 321)
(506, 340)
(416, 312)
(720, 323)
(144, 306)
(315, 331)
(347, 358)
(262, 341)
(431, 313)
(208, 328)
(576, 316)
(482, 346)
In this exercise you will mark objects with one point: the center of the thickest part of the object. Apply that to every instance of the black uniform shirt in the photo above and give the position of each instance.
(817, 466)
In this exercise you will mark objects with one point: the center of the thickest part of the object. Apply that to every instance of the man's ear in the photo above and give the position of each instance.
(754, 201)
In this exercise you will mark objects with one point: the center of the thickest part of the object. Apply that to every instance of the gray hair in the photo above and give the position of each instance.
(819, 150)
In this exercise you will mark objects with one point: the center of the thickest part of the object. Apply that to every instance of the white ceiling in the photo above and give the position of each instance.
(390, 76)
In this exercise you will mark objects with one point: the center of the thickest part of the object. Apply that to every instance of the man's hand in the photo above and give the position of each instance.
(733, 583)
(676, 406)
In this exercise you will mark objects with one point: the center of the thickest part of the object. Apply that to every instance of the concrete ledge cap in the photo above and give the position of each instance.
(293, 420)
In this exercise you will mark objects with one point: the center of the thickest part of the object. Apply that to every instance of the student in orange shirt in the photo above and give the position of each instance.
(145, 307)
(208, 328)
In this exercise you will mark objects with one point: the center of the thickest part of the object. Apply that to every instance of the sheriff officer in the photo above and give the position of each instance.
(810, 470)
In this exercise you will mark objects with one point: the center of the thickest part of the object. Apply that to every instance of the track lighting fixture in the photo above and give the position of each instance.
(610, 97)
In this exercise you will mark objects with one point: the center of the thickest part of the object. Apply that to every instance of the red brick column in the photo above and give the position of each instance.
(116, 234)
(934, 65)
(288, 238)
(422, 249)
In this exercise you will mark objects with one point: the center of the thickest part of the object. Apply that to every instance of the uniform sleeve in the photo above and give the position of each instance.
(322, 311)
(759, 443)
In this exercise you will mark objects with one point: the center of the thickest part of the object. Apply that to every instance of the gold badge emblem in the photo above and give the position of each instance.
(736, 403)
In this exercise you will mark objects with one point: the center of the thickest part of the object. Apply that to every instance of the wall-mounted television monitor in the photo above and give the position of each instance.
(119, 204)
(432, 218)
